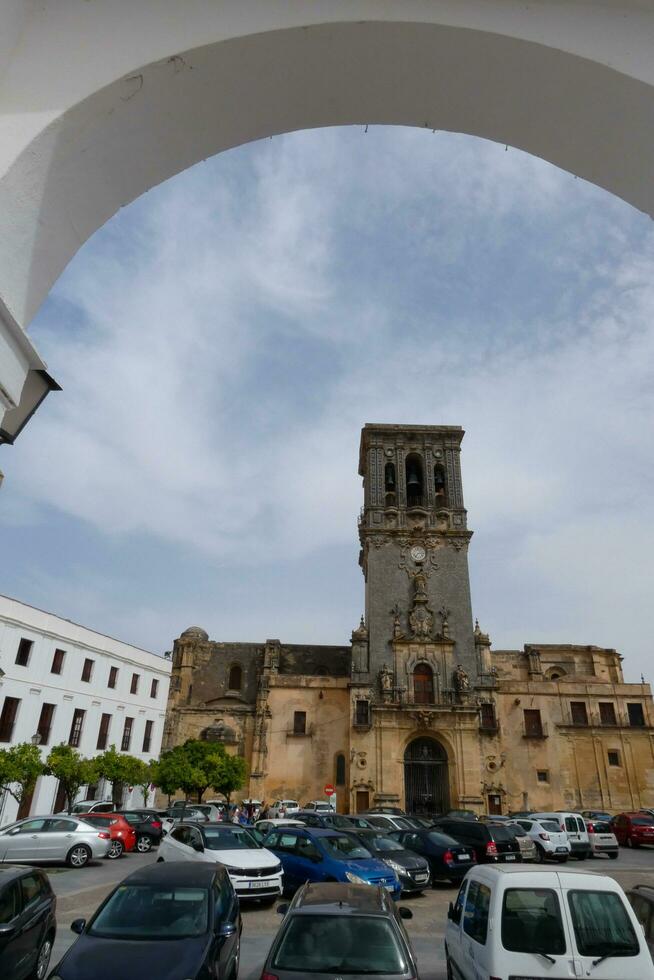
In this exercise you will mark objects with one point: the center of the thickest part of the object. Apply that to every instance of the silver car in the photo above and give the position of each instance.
(53, 838)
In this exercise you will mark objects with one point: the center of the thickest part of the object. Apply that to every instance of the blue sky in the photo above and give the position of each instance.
(223, 339)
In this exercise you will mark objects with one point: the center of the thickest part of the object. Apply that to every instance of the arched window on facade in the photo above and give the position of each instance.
(235, 678)
(423, 684)
(439, 485)
(415, 484)
(390, 484)
(340, 770)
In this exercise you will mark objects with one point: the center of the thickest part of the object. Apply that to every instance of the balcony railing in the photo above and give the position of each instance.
(535, 731)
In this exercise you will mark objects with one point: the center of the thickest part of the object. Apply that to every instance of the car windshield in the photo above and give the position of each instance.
(642, 821)
(383, 843)
(336, 944)
(531, 921)
(602, 828)
(550, 826)
(601, 924)
(221, 838)
(344, 848)
(338, 820)
(516, 830)
(153, 912)
(81, 807)
(500, 832)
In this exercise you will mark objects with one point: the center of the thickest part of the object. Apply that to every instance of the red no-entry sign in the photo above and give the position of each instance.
(329, 790)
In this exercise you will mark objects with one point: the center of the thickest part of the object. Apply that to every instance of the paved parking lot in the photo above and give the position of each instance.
(81, 891)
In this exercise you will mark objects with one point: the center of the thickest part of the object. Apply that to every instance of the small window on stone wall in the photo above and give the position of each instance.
(299, 723)
(614, 757)
(235, 678)
(543, 776)
(340, 770)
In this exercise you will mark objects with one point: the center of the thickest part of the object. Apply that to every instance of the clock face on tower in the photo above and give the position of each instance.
(418, 553)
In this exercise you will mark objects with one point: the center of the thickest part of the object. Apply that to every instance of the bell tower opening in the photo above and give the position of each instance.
(415, 484)
(426, 777)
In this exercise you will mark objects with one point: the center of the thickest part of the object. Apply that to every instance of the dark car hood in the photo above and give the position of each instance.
(406, 859)
(92, 958)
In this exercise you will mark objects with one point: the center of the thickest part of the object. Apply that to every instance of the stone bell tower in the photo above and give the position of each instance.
(414, 556)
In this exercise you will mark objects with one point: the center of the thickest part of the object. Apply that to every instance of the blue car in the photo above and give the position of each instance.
(328, 855)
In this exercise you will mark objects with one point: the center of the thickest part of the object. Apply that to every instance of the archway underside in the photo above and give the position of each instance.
(126, 137)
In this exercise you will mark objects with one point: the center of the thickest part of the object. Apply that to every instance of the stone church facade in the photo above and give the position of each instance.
(417, 710)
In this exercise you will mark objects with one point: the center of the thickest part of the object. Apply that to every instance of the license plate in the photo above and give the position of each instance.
(260, 884)
(421, 877)
(463, 857)
(509, 857)
(389, 888)
(562, 850)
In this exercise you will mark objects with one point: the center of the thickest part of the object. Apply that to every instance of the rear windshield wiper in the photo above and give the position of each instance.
(539, 952)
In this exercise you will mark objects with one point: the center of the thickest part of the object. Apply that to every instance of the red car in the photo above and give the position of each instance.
(633, 829)
(123, 836)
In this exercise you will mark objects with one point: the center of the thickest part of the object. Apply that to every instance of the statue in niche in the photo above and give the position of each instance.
(445, 626)
(397, 626)
(461, 680)
(386, 682)
(420, 586)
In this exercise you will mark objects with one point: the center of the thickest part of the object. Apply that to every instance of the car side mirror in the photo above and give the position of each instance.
(16, 830)
(282, 909)
(198, 846)
(7, 930)
(226, 929)
(405, 913)
(77, 925)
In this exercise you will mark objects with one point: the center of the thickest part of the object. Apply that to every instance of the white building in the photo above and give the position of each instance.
(65, 683)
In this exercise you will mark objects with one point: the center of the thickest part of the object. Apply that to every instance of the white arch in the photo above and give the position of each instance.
(99, 102)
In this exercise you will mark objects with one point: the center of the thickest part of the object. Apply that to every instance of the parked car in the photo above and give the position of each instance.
(490, 842)
(389, 821)
(393, 810)
(572, 824)
(633, 829)
(545, 923)
(176, 815)
(600, 815)
(254, 870)
(148, 827)
(411, 868)
(641, 898)
(328, 818)
(314, 854)
(447, 858)
(341, 930)
(265, 826)
(417, 820)
(93, 806)
(527, 845)
(28, 923)
(602, 839)
(164, 920)
(290, 808)
(460, 815)
(322, 805)
(54, 838)
(122, 833)
(211, 812)
(551, 842)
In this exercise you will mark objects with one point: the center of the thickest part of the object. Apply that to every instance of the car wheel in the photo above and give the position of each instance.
(159, 860)
(144, 844)
(115, 850)
(78, 856)
(43, 959)
(540, 855)
(613, 856)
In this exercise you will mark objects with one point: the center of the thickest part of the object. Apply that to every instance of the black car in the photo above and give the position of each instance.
(340, 929)
(492, 843)
(148, 827)
(330, 820)
(167, 921)
(410, 868)
(448, 859)
(27, 922)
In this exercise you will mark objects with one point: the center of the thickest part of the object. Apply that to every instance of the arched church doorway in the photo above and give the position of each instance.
(426, 777)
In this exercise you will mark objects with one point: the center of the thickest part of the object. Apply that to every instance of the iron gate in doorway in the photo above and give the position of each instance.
(426, 779)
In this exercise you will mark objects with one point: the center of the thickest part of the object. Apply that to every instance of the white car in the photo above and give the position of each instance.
(321, 806)
(551, 842)
(602, 839)
(254, 871)
(574, 825)
(265, 826)
(513, 921)
(290, 807)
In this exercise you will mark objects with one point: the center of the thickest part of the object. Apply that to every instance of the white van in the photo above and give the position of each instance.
(574, 825)
(513, 921)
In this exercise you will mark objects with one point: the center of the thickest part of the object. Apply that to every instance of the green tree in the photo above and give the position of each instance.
(170, 771)
(71, 769)
(20, 767)
(120, 770)
(205, 766)
(234, 772)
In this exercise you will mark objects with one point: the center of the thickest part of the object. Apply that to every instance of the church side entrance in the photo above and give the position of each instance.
(426, 779)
